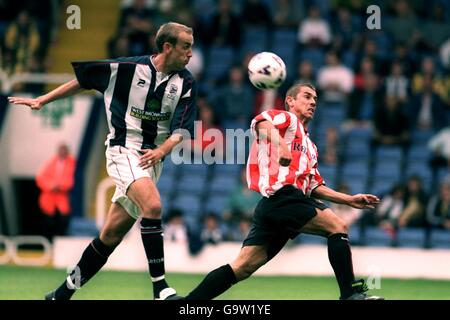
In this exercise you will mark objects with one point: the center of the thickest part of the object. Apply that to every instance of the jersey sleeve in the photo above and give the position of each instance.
(186, 110)
(280, 120)
(315, 181)
(93, 74)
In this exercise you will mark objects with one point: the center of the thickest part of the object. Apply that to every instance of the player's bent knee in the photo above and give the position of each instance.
(152, 210)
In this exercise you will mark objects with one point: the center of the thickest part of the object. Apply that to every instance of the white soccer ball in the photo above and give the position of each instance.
(266, 70)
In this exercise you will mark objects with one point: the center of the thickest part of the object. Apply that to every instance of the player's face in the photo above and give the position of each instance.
(304, 106)
(180, 54)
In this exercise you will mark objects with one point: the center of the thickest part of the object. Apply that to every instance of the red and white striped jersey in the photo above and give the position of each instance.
(264, 173)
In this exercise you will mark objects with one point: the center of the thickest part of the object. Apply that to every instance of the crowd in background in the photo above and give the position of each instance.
(379, 90)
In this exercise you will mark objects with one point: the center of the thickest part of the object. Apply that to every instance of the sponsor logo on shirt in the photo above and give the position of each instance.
(149, 115)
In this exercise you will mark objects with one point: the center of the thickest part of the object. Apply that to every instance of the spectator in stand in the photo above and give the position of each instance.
(403, 23)
(256, 14)
(350, 215)
(330, 153)
(415, 202)
(287, 13)
(224, 28)
(363, 102)
(427, 110)
(390, 209)
(438, 209)
(205, 137)
(136, 22)
(314, 30)
(119, 46)
(241, 202)
(439, 144)
(397, 84)
(234, 101)
(440, 85)
(305, 73)
(175, 229)
(345, 29)
(335, 80)
(242, 230)
(365, 68)
(22, 43)
(55, 179)
(211, 233)
(391, 125)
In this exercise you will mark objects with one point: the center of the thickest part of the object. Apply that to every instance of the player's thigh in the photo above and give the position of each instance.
(145, 195)
(325, 223)
(117, 224)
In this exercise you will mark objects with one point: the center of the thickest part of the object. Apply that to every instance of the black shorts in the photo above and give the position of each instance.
(280, 217)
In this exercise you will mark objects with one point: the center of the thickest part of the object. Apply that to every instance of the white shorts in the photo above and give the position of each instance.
(122, 165)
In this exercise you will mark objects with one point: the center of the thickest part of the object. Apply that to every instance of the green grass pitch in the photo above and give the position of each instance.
(17, 283)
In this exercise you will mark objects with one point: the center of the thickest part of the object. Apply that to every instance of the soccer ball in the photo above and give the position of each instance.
(266, 70)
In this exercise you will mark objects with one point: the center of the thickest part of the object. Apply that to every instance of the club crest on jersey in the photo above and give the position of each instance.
(172, 92)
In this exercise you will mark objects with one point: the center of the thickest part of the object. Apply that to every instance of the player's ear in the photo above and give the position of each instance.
(167, 47)
(289, 101)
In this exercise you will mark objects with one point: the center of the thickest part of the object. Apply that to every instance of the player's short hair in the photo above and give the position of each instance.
(294, 90)
(169, 32)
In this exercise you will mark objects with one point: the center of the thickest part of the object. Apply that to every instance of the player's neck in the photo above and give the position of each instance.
(159, 61)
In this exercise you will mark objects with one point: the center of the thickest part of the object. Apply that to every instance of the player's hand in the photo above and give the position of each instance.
(285, 156)
(150, 158)
(33, 103)
(364, 201)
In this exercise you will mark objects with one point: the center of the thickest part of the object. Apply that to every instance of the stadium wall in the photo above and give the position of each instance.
(308, 260)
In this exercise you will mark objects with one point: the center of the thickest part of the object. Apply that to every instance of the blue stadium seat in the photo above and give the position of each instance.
(421, 137)
(220, 59)
(201, 170)
(315, 56)
(358, 149)
(282, 36)
(393, 154)
(255, 39)
(216, 203)
(311, 239)
(165, 182)
(389, 170)
(354, 235)
(355, 170)
(82, 227)
(188, 203)
(411, 237)
(419, 153)
(328, 172)
(223, 184)
(359, 134)
(286, 52)
(422, 170)
(356, 185)
(228, 169)
(191, 183)
(375, 237)
(440, 238)
(381, 187)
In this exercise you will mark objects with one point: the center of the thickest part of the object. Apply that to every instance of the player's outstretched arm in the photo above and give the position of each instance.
(65, 90)
(359, 201)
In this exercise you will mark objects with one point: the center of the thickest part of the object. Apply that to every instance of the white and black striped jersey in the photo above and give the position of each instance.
(143, 106)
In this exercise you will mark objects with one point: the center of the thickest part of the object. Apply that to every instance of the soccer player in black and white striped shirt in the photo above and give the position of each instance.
(149, 100)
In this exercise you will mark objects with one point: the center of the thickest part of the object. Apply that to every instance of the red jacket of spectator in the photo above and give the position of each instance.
(56, 179)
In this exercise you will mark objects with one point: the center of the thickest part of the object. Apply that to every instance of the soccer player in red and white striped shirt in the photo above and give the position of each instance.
(282, 166)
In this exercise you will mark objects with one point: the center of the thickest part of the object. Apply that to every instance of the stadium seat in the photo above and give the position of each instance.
(226, 57)
(165, 183)
(201, 170)
(354, 235)
(216, 203)
(419, 153)
(359, 134)
(255, 39)
(311, 239)
(387, 170)
(381, 187)
(375, 237)
(315, 56)
(358, 149)
(355, 170)
(189, 204)
(421, 137)
(411, 237)
(191, 183)
(286, 52)
(440, 238)
(391, 154)
(228, 169)
(223, 184)
(82, 227)
(281, 36)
